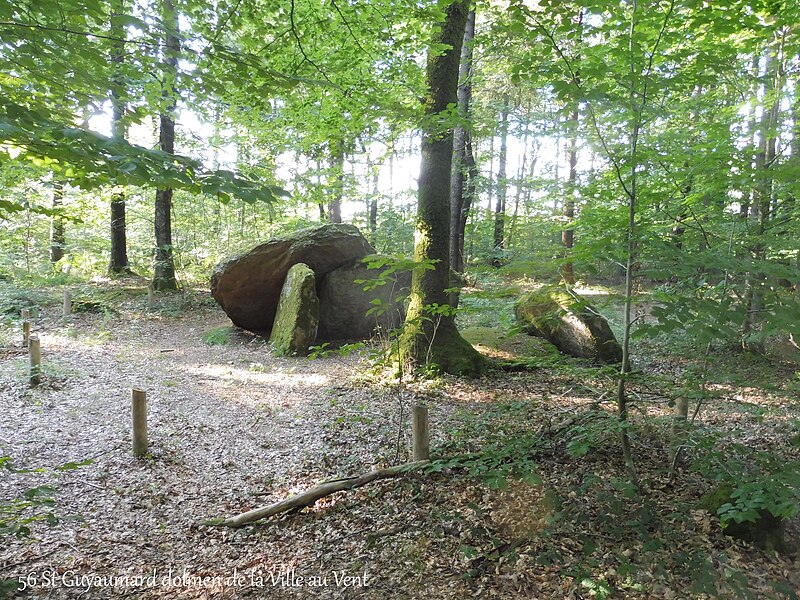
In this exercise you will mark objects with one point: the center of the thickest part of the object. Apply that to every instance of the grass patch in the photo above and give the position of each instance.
(219, 336)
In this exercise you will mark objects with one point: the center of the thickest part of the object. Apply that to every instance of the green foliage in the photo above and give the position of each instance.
(219, 336)
(35, 505)
(752, 480)
(507, 447)
(14, 299)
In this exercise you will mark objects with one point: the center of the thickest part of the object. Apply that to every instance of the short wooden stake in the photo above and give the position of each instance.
(67, 303)
(151, 297)
(26, 326)
(419, 434)
(35, 356)
(139, 412)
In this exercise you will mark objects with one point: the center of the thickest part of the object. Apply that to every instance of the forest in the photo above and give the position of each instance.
(400, 299)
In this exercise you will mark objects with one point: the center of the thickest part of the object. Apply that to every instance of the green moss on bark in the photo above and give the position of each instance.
(433, 340)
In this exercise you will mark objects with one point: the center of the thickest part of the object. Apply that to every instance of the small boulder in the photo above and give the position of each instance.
(344, 303)
(569, 323)
(247, 287)
(297, 317)
(766, 531)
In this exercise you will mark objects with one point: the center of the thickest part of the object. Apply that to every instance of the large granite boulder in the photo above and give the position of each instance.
(344, 301)
(248, 286)
(569, 323)
(297, 317)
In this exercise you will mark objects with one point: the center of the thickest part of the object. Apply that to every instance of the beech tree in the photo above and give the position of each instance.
(119, 242)
(431, 337)
(164, 265)
(464, 171)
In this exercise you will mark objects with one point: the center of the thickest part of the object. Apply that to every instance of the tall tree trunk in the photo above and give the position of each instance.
(373, 208)
(216, 143)
(337, 163)
(762, 193)
(57, 236)
(502, 186)
(568, 233)
(458, 200)
(430, 336)
(118, 261)
(632, 247)
(164, 275)
(792, 201)
(521, 177)
(490, 179)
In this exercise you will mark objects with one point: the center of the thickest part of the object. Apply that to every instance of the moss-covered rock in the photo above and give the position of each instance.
(297, 317)
(767, 531)
(569, 323)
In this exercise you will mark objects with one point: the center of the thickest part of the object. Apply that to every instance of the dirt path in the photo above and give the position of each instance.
(230, 426)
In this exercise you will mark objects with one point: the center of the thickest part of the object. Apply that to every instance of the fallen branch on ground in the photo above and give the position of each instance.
(322, 490)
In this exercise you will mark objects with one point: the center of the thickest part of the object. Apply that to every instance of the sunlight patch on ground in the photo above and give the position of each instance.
(233, 374)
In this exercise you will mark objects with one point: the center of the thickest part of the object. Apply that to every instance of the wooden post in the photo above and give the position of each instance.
(151, 297)
(67, 303)
(35, 356)
(139, 413)
(26, 326)
(420, 439)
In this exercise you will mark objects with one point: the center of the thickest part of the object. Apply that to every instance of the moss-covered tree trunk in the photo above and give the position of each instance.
(431, 337)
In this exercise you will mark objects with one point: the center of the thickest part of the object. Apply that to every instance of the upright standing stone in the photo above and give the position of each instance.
(297, 317)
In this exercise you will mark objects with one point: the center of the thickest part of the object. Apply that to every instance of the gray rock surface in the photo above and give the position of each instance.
(344, 304)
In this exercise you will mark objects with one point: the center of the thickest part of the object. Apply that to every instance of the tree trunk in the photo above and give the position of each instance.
(57, 237)
(502, 186)
(762, 195)
(469, 196)
(568, 233)
(373, 205)
(520, 179)
(430, 336)
(458, 199)
(164, 276)
(118, 262)
(337, 160)
(630, 265)
(792, 201)
(490, 179)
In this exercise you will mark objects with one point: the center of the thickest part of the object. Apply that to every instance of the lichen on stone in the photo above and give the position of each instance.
(297, 317)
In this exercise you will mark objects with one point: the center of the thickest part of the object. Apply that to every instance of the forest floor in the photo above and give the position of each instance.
(232, 428)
